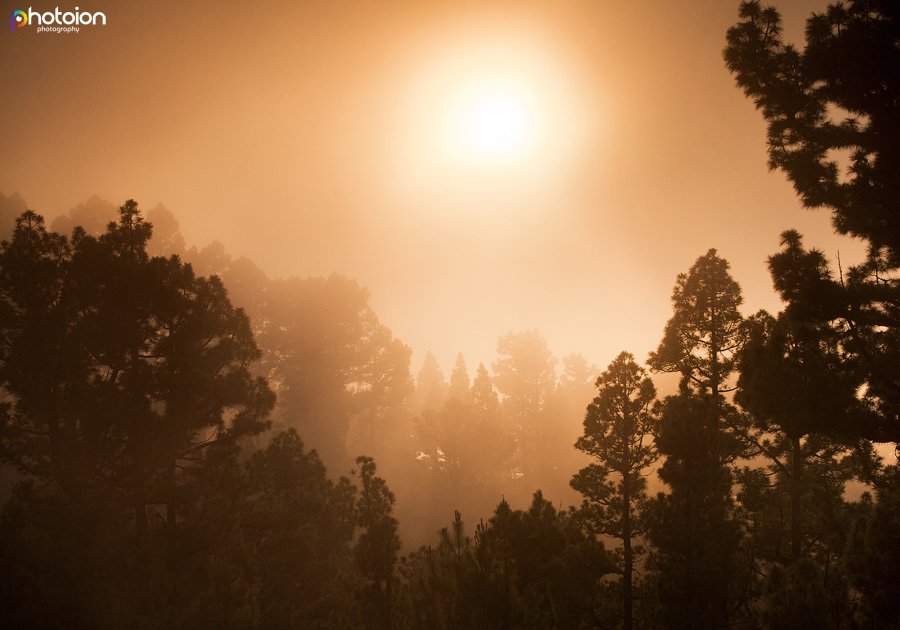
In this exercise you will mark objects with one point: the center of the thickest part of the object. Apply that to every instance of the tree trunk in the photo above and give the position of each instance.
(796, 472)
(626, 578)
(140, 519)
(389, 601)
(170, 506)
(171, 555)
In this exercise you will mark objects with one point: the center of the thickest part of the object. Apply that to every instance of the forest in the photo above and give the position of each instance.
(187, 442)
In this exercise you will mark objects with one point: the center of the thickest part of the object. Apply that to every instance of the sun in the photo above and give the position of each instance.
(487, 115)
(494, 120)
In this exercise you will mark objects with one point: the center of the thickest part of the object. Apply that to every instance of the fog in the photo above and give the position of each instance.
(305, 137)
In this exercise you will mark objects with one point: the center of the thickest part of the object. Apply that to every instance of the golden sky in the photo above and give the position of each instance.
(349, 136)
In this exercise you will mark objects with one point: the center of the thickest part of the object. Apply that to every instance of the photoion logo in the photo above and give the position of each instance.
(18, 20)
(56, 21)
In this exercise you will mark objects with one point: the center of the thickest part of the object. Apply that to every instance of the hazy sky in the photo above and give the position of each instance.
(338, 136)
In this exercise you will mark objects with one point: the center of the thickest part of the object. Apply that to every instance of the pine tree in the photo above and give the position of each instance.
(333, 362)
(459, 382)
(692, 528)
(525, 375)
(706, 331)
(841, 92)
(127, 384)
(484, 397)
(431, 387)
(121, 368)
(617, 435)
(378, 544)
(838, 95)
(801, 402)
(699, 434)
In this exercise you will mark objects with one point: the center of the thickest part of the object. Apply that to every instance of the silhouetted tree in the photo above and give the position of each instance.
(167, 239)
(484, 397)
(127, 383)
(525, 375)
(702, 338)
(448, 443)
(535, 568)
(795, 387)
(832, 110)
(333, 363)
(377, 546)
(699, 435)
(578, 378)
(798, 525)
(860, 315)
(838, 95)
(296, 529)
(692, 528)
(492, 445)
(431, 387)
(466, 451)
(793, 383)
(92, 216)
(64, 566)
(122, 368)
(617, 435)
(873, 553)
(460, 387)
(563, 415)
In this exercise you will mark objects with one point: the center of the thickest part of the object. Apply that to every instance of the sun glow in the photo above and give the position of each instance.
(494, 120)
(488, 119)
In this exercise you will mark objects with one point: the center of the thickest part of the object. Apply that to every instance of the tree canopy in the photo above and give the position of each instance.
(832, 110)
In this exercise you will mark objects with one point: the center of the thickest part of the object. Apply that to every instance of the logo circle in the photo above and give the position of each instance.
(18, 20)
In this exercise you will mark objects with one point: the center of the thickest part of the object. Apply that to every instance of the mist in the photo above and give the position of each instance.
(440, 236)
(298, 136)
